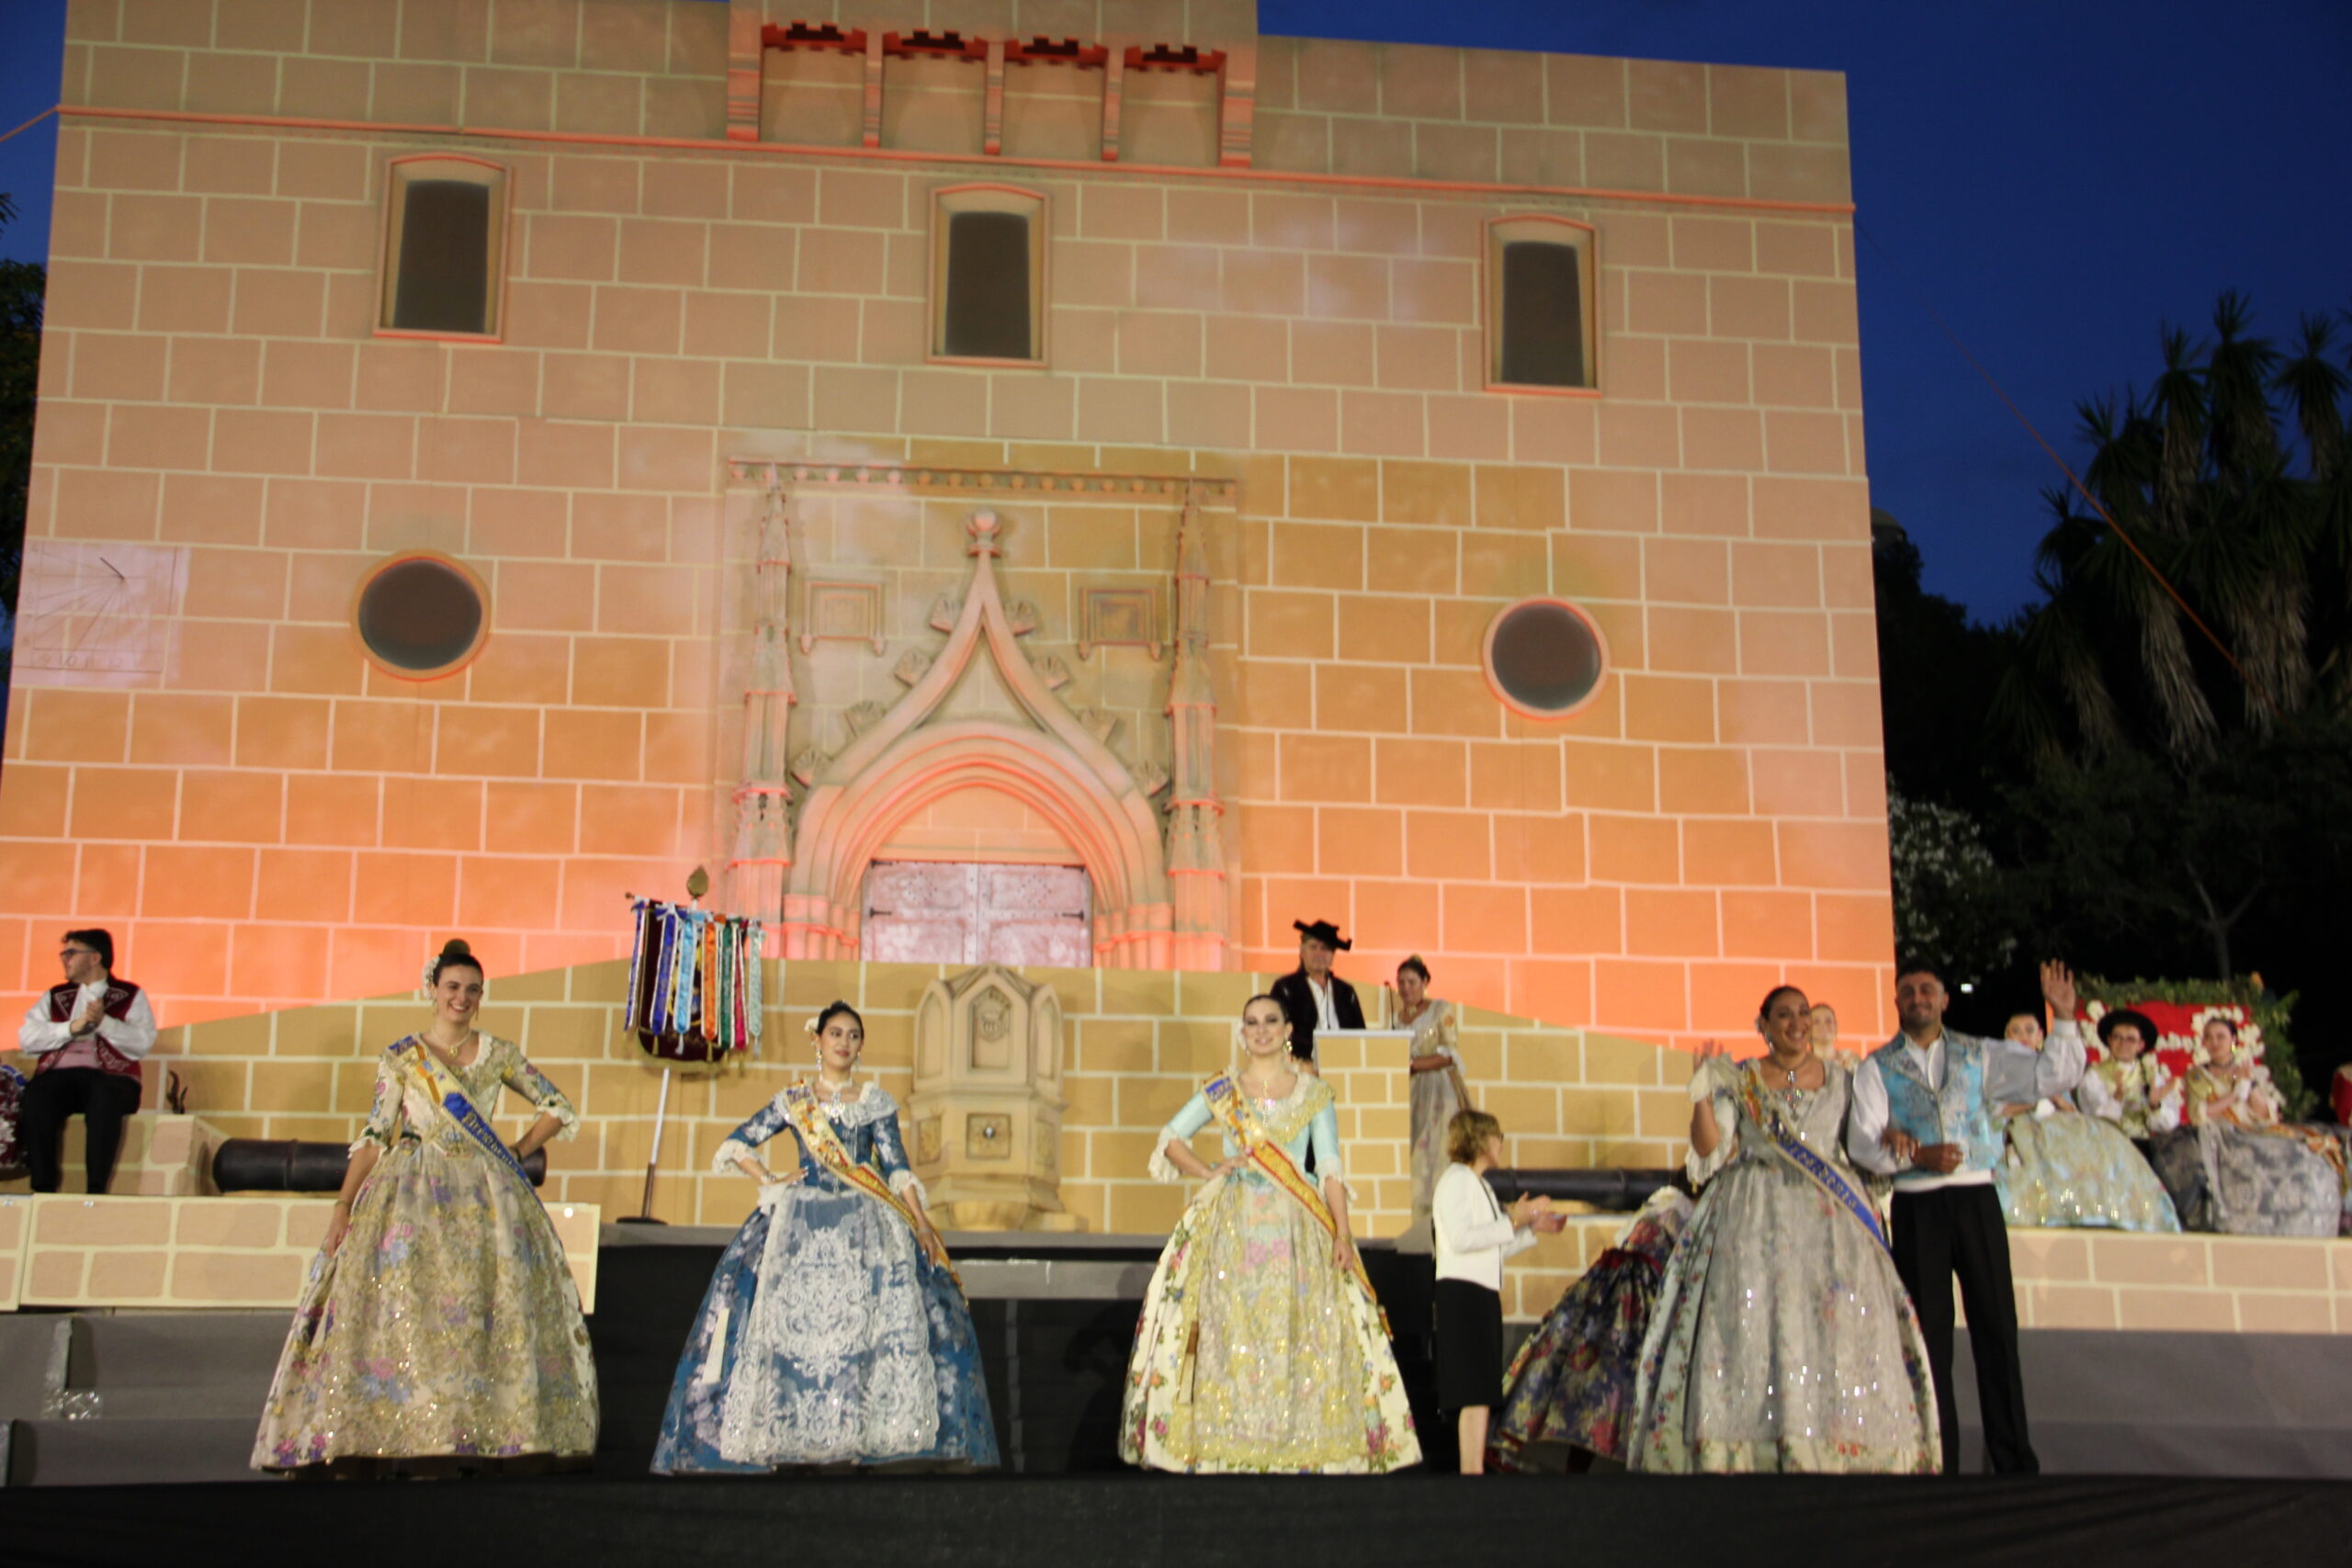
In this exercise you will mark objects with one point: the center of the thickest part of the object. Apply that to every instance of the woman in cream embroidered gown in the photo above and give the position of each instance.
(1782, 1340)
(2065, 1168)
(1260, 1349)
(440, 1329)
(1437, 1090)
(832, 1332)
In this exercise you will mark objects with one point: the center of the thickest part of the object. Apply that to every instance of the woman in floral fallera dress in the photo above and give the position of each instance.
(1261, 1349)
(1782, 1340)
(1572, 1382)
(440, 1330)
(834, 1331)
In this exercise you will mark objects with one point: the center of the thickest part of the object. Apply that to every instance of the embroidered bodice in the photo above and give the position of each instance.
(1815, 1117)
(867, 1125)
(1308, 1117)
(402, 1109)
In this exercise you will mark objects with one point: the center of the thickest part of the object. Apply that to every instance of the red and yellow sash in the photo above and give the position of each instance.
(824, 1145)
(1239, 1119)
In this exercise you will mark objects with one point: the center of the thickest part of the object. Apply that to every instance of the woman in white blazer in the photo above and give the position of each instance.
(1474, 1234)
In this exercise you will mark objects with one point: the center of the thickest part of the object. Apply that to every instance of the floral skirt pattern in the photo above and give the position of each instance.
(1573, 1380)
(446, 1325)
(2069, 1169)
(1782, 1340)
(1256, 1353)
(827, 1337)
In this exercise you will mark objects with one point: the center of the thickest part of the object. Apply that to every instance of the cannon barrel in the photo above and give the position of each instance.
(295, 1165)
(1619, 1188)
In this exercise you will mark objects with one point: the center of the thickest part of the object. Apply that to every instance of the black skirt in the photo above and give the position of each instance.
(1469, 1345)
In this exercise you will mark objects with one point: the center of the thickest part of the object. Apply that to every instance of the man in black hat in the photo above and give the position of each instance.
(1314, 996)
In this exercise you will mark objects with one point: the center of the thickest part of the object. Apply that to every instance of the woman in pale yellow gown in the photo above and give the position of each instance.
(1261, 1349)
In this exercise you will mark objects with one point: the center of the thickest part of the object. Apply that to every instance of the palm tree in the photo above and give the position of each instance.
(2249, 523)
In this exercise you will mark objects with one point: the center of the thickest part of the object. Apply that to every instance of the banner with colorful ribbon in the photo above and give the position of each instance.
(693, 982)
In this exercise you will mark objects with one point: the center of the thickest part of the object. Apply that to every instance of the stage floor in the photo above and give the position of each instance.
(983, 1522)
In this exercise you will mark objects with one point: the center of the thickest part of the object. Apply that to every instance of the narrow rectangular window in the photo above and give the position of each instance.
(988, 285)
(1542, 315)
(443, 284)
(988, 276)
(444, 242)
(1542, 328)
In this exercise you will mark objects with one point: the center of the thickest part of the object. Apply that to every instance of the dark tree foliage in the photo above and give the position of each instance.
(1938, 674)
(22, 288)
(2172, 811)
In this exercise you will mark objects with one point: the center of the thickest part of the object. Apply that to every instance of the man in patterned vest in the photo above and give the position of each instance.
(86, 1037)
(1927, 1111)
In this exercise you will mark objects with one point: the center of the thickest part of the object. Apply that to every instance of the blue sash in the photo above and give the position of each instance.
(450, 1096)
(1803, 1161)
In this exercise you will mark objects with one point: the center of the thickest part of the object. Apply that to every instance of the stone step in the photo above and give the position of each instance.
(111, 1451)
(33, 1355)
(232, 1353)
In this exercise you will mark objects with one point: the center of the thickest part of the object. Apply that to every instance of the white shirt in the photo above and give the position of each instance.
(132, 1034)
(1325, 1017)
(1474, 1235)
(2057, 1066)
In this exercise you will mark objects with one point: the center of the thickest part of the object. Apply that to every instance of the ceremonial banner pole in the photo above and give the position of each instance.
(694, 998)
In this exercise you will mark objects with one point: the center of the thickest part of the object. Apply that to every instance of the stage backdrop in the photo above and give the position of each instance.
(1263, 469)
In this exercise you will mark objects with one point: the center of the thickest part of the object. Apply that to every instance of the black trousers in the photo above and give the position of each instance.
(1959, 1230)
(103, 1100)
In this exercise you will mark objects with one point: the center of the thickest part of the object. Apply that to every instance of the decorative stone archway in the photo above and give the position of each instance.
(980, 714)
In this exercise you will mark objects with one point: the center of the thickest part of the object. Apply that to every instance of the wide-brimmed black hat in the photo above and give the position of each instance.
(2132, 1016)
(1325, 933)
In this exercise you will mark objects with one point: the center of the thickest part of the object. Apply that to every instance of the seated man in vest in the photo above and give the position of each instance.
(1927, 1110)
(1314, 996)
(85, 1037)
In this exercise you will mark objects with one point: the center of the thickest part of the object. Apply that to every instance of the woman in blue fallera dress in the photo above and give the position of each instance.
(834, 1331)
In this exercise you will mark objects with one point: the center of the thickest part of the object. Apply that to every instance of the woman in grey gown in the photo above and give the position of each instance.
(1782, 1340)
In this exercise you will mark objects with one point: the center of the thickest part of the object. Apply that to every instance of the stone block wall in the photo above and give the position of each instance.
(64, 1252)
(161, 1155)
(266, 820)
(1137, 1044)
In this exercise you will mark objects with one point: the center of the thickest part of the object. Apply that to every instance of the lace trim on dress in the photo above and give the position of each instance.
(1717, 1083)
(903, 1182)
(1286, 1117)
(723, 1162)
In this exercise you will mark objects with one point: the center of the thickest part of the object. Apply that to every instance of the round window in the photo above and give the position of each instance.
(421, 615)
(1546, 657)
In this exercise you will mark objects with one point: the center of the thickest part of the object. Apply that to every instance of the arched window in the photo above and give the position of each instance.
(988, 275)
(1542, 324)
(445, 248)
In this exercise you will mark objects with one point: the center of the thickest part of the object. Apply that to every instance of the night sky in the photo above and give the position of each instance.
(2056, 179)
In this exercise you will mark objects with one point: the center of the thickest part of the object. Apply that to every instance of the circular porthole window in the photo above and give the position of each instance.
(1544, 658)
(419, 615)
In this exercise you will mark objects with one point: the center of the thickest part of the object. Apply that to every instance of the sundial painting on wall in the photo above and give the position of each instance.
(97, 614)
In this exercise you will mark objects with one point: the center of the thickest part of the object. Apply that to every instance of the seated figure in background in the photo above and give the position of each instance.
(1824, 1039)
(2237, 1168)
(2065, 1167)
(2129, 1086)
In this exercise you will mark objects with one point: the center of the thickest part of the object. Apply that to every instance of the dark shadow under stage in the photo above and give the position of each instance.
(979, 1522)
